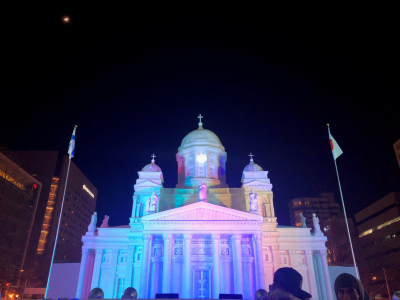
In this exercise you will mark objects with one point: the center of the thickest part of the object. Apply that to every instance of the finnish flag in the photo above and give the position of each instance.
(71, 147)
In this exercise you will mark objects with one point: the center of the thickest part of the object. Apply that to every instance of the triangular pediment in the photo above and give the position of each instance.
(201, 211)
(256, 183)
(147, 183)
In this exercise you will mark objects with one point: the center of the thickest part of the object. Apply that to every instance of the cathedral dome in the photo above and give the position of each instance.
(151, 167)
(201, 137)
(252, 166)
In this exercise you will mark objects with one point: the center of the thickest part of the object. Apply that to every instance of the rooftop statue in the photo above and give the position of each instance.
(317, 227)
(303, 221)
(202, 191)
(153, 202)
(253, 202)
(105, 222)
(93, 222)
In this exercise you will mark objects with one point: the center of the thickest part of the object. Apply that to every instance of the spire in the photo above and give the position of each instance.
(251, 158)
(153, 161)
(200, 124)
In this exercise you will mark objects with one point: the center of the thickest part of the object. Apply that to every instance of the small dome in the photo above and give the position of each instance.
(252, 167)
(201, 137)
(151, 168)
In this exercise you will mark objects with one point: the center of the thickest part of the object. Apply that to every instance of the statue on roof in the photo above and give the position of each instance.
(253, 202)
(153, 202)
(202, 191)
(303, 221)
(317, 227)
(93, 222)
(105, 222)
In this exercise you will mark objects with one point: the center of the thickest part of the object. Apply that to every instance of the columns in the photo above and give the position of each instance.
(237, 263)
(311, 274)
(275, 257)
(259, 261)
(110, 291)
(129, 267)
(216, 264)
(82, 272)
(317, 276)
(166, 278)
(96, 269)
(327, 280)
(145, 266)
(321, 276)
(187, 270)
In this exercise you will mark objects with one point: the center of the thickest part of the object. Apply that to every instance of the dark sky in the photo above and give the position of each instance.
(266, 81)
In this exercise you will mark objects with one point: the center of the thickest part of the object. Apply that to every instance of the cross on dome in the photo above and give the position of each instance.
(251, 157)
(153, 161)
(200, 124)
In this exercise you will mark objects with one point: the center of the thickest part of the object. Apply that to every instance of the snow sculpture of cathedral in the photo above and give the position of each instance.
(199, 249)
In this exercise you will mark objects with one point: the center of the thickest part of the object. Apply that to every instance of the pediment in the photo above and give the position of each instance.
(256, 183)
(147, 183)
(202, 211)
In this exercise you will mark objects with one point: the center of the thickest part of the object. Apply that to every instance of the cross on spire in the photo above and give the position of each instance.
(200, 124)
(153, 158)
(251, 157)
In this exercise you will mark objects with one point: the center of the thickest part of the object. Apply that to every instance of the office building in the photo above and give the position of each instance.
(19, 194)
(324, 206)
(80, 200)
(378, 227)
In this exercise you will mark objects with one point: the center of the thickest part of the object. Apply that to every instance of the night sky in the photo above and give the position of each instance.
(266, 81)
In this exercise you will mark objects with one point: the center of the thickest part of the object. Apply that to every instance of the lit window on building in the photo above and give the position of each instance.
(12, 180)
(379, 226)
(48, 215)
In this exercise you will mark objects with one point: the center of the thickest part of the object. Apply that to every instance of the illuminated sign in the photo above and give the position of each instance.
(87, 190)
(201, 158)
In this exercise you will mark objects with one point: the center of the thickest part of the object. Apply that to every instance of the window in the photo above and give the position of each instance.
(379, 226)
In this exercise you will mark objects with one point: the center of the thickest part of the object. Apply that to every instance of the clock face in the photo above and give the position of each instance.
(201, 158)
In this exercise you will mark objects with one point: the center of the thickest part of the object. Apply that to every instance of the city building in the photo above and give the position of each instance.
(338, 244)
(324, 206)
(378, 227)
(19, 194)
(201, 238)
(80, 201)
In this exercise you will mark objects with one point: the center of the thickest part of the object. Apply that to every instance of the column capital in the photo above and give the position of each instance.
(216, 236)
(275, 248)
(236, 236)
(100, 251)
(114, 250)
(188, 236)
(257, 237)
(167, 236)
(147, 236)
(85, 250)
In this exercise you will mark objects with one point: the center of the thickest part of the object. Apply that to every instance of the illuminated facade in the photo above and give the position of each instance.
(200, 249)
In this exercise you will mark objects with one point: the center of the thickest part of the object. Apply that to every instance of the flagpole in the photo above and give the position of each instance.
(58, 228)
(345, 216)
